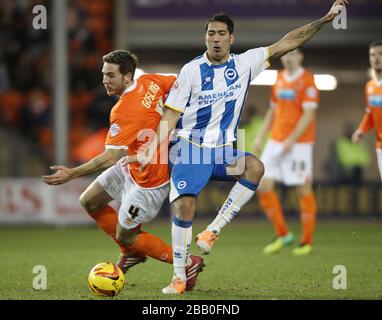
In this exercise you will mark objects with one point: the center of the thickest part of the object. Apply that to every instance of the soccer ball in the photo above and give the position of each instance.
(106, 279)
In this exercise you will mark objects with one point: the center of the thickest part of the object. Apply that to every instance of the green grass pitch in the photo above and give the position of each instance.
(235, 269)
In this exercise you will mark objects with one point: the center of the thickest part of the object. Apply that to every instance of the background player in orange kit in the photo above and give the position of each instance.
(288, 155)
(373, 97)
(133, 120)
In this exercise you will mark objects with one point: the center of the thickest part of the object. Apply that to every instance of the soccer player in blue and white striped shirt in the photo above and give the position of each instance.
(204, 106)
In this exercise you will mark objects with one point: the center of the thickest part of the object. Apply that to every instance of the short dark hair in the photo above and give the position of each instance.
(126, 60)
(375, 44)
(222, 17)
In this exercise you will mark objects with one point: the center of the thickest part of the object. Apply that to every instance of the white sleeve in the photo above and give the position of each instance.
(180, 92)
(257, 59)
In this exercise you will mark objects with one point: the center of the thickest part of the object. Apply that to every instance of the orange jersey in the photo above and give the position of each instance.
(373, 114)
(134, 119)
(289, 97)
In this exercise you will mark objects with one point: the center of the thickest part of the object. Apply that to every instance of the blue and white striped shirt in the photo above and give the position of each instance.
(211, 97)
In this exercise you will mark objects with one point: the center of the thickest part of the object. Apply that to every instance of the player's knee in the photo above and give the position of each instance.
(254, 169)
(84, 201)
(304, 190)
(185, 208)
(265, 186)
(89, 205)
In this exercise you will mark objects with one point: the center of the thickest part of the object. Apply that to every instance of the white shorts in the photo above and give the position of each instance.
(294, 168)
(379, 159)
(138, 205)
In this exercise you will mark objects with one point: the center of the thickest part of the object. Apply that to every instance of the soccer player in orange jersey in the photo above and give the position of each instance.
(373, 97)
(133, 121)
(288, 154)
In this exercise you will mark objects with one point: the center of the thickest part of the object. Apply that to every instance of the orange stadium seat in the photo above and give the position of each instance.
(89, 147)
(92, 61)
(77, 134)
(81, 100)
(98, 25)
(11, 103)
(104, 44)
(45, 136)
(99, 8)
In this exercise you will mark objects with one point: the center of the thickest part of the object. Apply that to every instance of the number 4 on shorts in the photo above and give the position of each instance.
(133, 211)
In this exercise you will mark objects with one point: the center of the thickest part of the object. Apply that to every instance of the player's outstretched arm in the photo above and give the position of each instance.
(103, 161)
(299, 36)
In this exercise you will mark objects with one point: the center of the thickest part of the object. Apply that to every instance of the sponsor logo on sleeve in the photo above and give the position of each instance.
(311, 92)
(114, 130)
(175, 85)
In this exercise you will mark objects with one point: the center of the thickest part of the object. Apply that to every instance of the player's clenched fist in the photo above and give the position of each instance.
(335, 9)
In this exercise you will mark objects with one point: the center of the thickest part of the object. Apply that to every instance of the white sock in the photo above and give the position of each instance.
(241, 193)
(181, 233)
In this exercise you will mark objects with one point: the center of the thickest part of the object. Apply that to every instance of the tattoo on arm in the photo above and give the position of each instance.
(297, 37)
(310, 29)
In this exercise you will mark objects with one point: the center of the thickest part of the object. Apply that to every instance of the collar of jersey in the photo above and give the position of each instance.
(216, 65)
(296, 75)
(131, 88)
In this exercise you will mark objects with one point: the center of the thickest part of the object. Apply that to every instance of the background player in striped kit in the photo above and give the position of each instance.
(288, 155)
(373, 100)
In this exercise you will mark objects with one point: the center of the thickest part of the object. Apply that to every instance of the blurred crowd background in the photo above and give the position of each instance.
(26, 84)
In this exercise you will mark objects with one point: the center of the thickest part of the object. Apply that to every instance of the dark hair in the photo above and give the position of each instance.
(125, 59)
(375, 44)
(222, 17)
